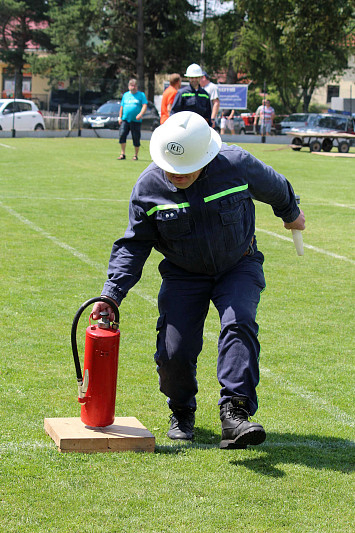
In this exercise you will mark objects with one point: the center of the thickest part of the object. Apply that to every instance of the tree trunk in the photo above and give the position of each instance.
(151, 86)
(18, 82)
(307, 95)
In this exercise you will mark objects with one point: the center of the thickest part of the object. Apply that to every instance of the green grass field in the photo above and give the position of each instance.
(62, 204)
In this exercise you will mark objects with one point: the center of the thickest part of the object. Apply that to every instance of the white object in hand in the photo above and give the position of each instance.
(298, 241)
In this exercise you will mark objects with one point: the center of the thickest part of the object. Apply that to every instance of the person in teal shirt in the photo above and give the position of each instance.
(133, 106)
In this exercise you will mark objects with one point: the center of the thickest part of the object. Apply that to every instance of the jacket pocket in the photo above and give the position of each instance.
(173, 229)
(235, 215)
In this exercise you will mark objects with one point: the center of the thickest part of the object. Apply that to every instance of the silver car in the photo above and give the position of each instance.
(19, 115)
(297, 120)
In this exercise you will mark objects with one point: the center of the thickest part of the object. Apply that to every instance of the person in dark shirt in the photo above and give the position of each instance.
(195, 205)
(192, 97)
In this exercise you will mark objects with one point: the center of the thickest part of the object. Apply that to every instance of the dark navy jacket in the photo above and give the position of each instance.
(189, 99)
(205, 228)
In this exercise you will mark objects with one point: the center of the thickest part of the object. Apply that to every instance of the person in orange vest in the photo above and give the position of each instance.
(169, 95)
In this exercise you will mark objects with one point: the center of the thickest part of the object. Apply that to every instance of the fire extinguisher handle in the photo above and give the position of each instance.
(111, 303)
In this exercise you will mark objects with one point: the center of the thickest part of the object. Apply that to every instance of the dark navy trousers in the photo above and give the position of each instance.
(184, 300)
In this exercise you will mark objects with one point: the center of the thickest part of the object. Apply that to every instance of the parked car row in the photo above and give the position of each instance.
(22, 114)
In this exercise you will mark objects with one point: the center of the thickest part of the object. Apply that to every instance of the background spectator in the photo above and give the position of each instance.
(169, 96)
(133, 106)
(227, 120)
(266, 114)
(212, 90)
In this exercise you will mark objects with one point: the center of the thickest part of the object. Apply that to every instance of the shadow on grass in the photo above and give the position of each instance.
(309, 450)
(279, 449)
(203, 439)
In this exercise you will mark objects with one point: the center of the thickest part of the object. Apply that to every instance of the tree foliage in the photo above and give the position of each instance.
(221, 38)
(99, 39)
(293, 44)
(17, 31)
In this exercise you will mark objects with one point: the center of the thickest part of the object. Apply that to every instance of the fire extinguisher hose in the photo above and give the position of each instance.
(112, 304)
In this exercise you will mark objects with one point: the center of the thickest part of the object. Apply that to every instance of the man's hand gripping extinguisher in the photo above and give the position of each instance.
(97, 391)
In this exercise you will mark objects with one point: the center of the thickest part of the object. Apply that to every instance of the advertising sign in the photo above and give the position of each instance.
(233, 96)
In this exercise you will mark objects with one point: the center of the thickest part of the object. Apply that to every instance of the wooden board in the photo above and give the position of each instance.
(334, 154)
(310, 133)
(125, 434)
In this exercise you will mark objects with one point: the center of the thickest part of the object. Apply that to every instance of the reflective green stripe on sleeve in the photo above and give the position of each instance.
(224, 193)
(167, 206)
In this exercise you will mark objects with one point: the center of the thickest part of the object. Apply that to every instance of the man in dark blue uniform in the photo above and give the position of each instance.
(193, 97)
(194, 204)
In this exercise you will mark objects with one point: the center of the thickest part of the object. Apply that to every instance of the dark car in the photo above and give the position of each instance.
(107, 117)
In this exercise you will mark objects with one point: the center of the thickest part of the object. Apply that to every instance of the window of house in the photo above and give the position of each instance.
(332, 90)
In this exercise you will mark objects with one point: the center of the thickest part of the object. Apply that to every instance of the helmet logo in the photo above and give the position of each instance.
(175, 148)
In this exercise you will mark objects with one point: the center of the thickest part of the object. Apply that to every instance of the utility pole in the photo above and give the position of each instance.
(13, 131)
(263, 132)
(203, 34)
(140, 46)
(79, 107)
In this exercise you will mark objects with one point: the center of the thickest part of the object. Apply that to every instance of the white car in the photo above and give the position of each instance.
(19, 115)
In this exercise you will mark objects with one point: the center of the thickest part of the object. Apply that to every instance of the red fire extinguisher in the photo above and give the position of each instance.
(97, 391)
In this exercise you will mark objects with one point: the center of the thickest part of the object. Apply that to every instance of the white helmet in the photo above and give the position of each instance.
(184, 143)
(193, 71)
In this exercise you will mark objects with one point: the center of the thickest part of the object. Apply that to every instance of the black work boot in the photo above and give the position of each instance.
(182, 423)
(237, 431)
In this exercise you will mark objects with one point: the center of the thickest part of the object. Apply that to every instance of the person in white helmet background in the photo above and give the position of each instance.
(194, 204)
(212, 90)
(193, 97)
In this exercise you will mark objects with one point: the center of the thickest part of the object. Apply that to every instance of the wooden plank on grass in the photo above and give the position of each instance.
(334, 154)
(125, 434)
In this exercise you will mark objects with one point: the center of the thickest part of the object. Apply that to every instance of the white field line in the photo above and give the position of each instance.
(313, 398)
(343, 205)
(334, 411)
(328, 204)
(16, 197)
(56, 241)
(7, 146)
(309, 246)
(83, 257)
(24, 445)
